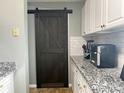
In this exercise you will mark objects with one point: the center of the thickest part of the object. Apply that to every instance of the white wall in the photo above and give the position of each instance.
(76, 46)
(74, 31)
(32, 52)
(116, 38)
(15, 49)
(75, 18)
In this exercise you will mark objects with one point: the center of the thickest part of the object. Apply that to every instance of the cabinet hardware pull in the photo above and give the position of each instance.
(104, 25)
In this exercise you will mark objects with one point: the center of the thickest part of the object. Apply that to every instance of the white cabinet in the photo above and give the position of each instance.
(87, 17)
(89, 14)
(98, 15)
(114, 10)
(92, 16)
(72, 75)
(7, 84)
(76, 86)
(109, 14)
(103, 15)
(79, 84)
(83, 86)
(114, 13)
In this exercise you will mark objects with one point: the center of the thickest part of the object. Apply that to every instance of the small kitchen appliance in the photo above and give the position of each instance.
(104, 55)
(122, 74)
(87, 48)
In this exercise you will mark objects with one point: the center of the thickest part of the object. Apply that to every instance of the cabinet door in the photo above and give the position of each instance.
(84, 87)
(83, 22)
(11, 84)
(6, 85)
(98, 14)
(80, 89)
(75, 84)
(72, 75)
(114, 12)
(87, 16)
(92, 16)
(79, 83)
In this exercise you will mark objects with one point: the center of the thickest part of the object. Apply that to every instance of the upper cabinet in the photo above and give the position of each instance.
(89, 16)
(92, 16)
(114, 13)
(98, 14)
(103, 15)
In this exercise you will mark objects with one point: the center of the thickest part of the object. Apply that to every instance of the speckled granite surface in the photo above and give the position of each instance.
(6, 68)
(100, 80)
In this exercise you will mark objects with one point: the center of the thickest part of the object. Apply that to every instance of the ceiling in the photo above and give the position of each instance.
(55, 0)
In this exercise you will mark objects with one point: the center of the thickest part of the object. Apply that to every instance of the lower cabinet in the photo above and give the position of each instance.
(83, 86)
(79, 84)
(7, 84)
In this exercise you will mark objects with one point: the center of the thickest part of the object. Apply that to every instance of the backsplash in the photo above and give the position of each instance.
(116, 38)
(76, 45)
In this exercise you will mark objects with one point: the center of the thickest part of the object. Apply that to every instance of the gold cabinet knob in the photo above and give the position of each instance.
(104, 25)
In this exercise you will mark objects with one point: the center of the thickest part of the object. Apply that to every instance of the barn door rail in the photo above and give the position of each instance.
(37, 11)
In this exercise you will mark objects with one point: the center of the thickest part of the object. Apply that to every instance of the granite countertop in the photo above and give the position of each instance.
(6, 68)
(100, 80)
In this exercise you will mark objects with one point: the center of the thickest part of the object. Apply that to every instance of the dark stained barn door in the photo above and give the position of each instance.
(51, 49)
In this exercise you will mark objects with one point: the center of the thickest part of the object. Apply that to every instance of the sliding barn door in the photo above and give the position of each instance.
(51, 49)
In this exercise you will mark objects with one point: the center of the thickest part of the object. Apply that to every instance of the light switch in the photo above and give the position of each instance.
(15, 32)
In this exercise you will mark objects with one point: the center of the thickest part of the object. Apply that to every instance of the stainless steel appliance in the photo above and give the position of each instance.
(104, 55)
(122, 74)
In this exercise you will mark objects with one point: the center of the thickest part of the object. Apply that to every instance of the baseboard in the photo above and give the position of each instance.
(32, 85)
(70, 85)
